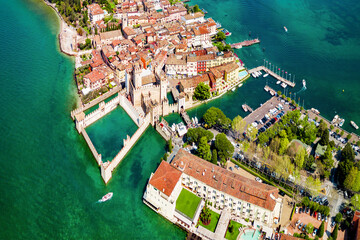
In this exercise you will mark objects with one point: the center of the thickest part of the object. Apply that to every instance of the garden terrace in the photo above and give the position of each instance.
(187, 203)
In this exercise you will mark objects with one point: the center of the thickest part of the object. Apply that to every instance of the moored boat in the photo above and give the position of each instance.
(265, 75)
(335, 119)
(342, 122)
(354, 125)
(106, 197)
(244, 107)
(283, 85)
(278, 82)
(285, 28)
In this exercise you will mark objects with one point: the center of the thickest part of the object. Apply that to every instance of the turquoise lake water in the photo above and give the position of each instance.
(49, 178)
(50, 181)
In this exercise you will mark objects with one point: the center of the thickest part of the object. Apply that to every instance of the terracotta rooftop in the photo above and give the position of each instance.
(225, 181)
(193, 16)
(194, 81)
(288, 237)
(110, 35)
(165, 178)
(95, 76)
(95, 9)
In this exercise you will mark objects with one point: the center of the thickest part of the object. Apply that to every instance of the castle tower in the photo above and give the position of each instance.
(163, 87)
(137, 77)
(124, 20)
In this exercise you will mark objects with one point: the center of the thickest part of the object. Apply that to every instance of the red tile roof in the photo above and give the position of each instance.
(225, 181)
(165, 178)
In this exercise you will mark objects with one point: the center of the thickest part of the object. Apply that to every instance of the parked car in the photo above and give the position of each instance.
(304, 228)
(332, 224)
(326, 219)
(319, 216)
(231, 168)
(296, 210)
(237, 166)
(258, 179)
(300, 226)
(307, 210)
(297, 222)
(314, 232)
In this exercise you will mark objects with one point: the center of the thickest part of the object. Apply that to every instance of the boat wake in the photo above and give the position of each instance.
(302, 89)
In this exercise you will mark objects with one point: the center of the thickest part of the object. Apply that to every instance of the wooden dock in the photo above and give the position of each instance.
(270, 90)
(186, 118)
(291, 84)
(247, 108)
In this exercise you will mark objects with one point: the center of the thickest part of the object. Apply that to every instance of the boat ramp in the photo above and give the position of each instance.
(263, 68)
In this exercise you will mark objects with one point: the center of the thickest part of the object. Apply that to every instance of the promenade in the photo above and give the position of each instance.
(291, 84)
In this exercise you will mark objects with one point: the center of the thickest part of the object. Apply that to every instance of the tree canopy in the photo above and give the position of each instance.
(238, 124)
(194, 135)
(223, 146)
(203, 150)
(215, 117)
(202, 91)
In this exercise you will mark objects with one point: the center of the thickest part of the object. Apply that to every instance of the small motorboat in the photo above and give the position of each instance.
(284, 85)
(286, 30)
(106, 197)
(354, 125)
(278, 82)
(265, 75)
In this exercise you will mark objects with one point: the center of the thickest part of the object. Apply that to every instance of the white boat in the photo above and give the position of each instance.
(106, 197)
(342, 122)
(233, 89)
(266, 89)
(260, 73)
(196, 120)
(265, 75)
(304, 83)
(285, 28)
(283, 85)
(335, 119)
(253, 74)
(240, 84)
(278, 82)
(354, 125)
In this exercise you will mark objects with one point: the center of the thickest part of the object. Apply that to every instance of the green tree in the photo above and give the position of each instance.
(324, 140)
(251, 132)
(313, 185)
(284, 142)
(193, 135)
(263, 138)
(220, 36)
(214, 157)
(351, 178)
(202, 91)
(238, 125)
(214, 116)
(309, 228)
(347, 153)
(355, 201)
(170, 145)
(321, 230)
(335, 232)
(300, 158)
(205, 215)
(196, 9)
(224, 147)
(348, 136)
(338, 217)
(203, 150)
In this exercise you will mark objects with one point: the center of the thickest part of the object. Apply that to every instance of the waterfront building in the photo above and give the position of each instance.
(241, 196)
(193, 18)
(95, 12)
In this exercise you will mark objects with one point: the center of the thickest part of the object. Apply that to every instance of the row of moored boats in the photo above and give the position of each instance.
(337, 121)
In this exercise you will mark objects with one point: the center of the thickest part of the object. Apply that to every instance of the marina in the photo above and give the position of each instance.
(273, 74)
(245, 43)
(270, 90)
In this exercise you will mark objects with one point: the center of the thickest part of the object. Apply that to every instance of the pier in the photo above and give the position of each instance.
(270, 90)
(245, 43)
(247, 108)
(263, 68)
(186, 118)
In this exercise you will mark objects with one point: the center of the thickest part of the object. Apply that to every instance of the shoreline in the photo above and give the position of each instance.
(66, 33)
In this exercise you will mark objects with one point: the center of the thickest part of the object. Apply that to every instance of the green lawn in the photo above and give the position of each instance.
(214, 220)
(235, 233)
(187, 203)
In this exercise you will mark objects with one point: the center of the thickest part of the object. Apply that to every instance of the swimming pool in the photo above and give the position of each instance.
(250, 235)
(242, 74)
